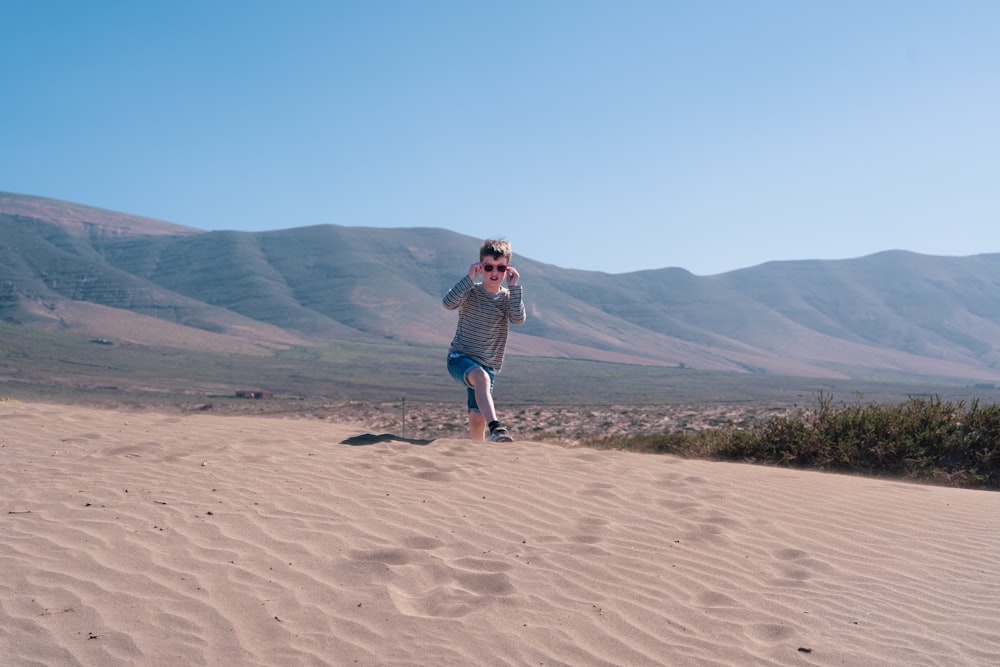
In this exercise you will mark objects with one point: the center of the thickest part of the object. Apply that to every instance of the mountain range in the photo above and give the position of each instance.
(116, 277)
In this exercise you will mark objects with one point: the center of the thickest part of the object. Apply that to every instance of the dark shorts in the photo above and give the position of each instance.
(459, 366)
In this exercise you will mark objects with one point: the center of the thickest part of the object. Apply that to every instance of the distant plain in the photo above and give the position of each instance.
(379, 384)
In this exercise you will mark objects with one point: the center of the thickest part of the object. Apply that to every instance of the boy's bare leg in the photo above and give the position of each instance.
(480, 382)
(477, 426)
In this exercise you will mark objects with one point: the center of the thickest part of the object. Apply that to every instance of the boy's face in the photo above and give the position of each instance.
(494, 271)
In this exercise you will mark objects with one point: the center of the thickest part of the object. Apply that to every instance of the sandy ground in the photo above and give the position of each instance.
(147, 538)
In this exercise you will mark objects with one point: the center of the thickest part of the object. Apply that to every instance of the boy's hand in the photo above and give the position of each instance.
(475, 271)
(512, 276)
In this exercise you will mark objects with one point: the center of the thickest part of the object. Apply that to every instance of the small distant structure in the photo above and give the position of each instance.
(253, 393)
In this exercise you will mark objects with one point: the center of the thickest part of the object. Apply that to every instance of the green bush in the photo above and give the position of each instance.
(921, 439)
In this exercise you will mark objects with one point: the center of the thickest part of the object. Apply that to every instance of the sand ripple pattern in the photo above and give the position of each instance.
(147, 539)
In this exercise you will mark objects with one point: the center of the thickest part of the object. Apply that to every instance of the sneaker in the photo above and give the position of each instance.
(498, 433)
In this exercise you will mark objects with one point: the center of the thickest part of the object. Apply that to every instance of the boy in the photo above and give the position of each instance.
(476, 352)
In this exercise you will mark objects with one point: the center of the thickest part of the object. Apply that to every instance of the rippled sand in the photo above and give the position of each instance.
(143, 538)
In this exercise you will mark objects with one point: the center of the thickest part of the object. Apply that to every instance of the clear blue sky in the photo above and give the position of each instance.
(615, 136)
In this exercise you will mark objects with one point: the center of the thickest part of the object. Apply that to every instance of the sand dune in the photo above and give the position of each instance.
(133, 538)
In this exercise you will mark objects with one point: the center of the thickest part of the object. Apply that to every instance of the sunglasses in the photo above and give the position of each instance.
(488, 268)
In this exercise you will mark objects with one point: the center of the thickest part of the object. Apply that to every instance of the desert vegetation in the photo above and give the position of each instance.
(921, 439)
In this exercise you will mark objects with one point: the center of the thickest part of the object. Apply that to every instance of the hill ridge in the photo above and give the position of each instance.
(890, 314)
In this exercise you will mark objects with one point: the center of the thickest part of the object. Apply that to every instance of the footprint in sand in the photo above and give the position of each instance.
(770, 633)
(798, 565)
(422, 542)
(455, 592)
(423, 585)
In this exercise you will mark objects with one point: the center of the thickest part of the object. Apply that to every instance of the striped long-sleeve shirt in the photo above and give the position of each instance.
(482, 320)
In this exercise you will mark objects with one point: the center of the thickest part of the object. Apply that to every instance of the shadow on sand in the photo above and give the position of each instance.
(372, 439)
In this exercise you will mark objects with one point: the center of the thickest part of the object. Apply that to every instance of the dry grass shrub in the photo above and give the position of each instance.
(931, 440)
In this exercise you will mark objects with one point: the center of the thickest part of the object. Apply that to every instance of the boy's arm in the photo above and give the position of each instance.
(517, 311)
(453, 299)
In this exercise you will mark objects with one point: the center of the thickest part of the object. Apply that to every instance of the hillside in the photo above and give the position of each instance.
(894, 315)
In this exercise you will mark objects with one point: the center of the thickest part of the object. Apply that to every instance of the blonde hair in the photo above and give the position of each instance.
(495, 248)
